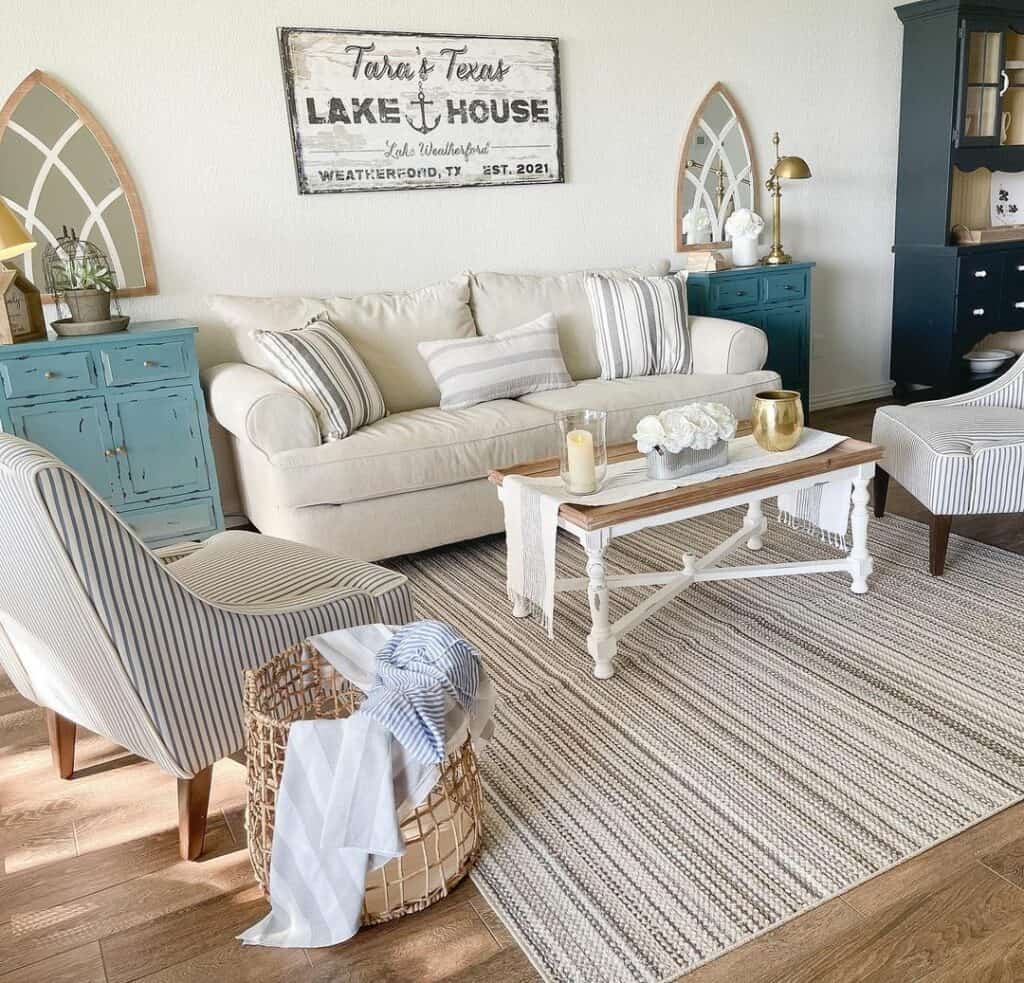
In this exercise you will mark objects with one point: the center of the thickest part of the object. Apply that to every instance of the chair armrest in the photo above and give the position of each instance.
(1006, 391)
(723, 347)
(176, 551)
(256, 407)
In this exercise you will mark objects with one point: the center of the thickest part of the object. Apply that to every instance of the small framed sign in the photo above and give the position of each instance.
(21, 309)
(383, 111)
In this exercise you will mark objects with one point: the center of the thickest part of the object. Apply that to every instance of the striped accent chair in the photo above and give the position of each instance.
(146, 648)
(957, 456)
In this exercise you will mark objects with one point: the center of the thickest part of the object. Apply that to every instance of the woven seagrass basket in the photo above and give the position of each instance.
(442, 835)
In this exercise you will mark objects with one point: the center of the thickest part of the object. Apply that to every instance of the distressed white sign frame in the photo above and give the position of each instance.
(397, 111)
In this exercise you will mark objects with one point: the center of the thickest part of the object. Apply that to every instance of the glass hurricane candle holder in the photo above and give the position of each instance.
(583, 450)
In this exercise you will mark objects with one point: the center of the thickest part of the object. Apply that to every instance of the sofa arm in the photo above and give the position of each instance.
(256, 407)
(723, 347)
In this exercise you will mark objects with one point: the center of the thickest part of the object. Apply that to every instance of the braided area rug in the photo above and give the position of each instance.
(763, 746)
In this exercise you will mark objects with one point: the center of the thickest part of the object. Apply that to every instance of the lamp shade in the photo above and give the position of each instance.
(792, 168)
(14, 240)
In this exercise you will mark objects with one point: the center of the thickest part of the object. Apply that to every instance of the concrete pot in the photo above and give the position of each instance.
(88, 305)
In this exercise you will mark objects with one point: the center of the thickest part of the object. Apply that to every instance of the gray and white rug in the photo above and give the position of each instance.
(762, 747)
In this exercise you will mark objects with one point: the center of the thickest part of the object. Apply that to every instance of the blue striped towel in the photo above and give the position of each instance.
(421, 665)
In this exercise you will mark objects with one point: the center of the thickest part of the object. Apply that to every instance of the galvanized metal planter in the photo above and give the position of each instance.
(687, 461)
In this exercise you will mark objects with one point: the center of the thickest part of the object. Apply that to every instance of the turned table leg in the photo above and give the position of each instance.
(755, 525)
(600, 642)
(860, 560)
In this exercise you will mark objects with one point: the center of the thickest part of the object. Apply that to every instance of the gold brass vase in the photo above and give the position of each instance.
(778, 417)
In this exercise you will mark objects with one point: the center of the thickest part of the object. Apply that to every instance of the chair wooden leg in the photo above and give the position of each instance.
(880, 491)
(938, 540)
(193, 803)
(62, 743)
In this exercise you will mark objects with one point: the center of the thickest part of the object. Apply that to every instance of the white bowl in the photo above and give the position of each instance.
(988, 360)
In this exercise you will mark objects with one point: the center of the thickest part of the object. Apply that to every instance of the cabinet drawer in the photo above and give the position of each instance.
(729, 294)
(785, 287)
(172, 522)
(980, 276)
(128, 364)
(41, 375)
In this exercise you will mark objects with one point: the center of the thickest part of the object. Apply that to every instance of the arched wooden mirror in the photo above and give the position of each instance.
(716, 173)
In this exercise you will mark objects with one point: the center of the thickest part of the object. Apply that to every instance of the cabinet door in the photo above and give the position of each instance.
(788, 355)
(983, 81)
(160, 444)
(79, 433)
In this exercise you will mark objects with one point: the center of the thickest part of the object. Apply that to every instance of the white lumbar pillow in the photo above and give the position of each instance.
(512, 363)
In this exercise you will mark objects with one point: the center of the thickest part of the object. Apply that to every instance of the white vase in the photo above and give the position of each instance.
(744, 251)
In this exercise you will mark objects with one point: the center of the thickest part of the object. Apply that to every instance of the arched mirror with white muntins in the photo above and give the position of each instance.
(716, 173)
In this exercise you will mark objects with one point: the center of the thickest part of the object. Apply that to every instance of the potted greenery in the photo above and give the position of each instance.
(78, 274)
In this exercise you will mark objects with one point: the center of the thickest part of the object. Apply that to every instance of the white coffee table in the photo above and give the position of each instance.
(596, 526)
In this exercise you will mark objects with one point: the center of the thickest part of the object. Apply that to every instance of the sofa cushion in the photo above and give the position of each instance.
(383, 329)
(503, 300)
(512, 363)
(419, 449)
(626, 400)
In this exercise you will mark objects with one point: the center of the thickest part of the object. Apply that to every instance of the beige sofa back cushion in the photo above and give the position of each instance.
(384, 329)
(504, 300)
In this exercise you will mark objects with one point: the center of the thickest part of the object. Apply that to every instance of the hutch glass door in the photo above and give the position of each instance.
(981, 91)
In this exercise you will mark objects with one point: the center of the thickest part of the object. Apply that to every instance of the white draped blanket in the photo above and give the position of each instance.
(531, 510)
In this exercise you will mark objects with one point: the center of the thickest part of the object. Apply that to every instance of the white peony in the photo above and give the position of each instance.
(744, 223)
(696, 425)
(649, 434)
(696, 220)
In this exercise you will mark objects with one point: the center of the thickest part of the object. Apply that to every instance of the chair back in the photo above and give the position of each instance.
(69, 572)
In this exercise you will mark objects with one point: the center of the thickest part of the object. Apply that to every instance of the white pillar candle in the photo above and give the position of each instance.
(580, 456)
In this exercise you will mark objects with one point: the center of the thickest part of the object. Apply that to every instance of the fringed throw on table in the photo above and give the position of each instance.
(823, 509)
(347, 782)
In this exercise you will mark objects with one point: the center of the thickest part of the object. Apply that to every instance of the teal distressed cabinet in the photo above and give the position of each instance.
(127, 413)
(776, 299)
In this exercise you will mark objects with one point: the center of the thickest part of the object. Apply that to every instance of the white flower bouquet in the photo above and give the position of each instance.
(743, 224)
(686, 439)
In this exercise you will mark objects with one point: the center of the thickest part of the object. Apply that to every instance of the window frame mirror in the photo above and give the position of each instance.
(691, 178)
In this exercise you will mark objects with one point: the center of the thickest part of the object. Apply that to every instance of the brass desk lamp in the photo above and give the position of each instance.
(785, 169)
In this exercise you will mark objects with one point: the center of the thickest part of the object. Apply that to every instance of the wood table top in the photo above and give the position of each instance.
(847, 454)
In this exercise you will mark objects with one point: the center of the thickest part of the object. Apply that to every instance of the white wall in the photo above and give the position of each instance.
(191, 92)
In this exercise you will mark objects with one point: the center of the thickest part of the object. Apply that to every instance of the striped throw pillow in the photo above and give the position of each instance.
(319, 363)
(640, 324)
(512, 363)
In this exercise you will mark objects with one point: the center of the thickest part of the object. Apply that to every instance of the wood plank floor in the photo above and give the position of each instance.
(91, 890)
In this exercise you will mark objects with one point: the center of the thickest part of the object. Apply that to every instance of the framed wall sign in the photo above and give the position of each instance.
(383, 111)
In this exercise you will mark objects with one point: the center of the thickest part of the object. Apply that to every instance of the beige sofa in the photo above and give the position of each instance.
(417, 478)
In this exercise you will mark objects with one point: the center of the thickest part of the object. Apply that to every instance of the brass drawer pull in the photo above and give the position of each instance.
(981, 273)
(789, 286)
(978, 311)
(109, 453)
(149, 364)
(49, 375)
(121, 450)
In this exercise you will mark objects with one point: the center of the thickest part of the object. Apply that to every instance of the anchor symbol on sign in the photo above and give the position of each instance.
(422, 101)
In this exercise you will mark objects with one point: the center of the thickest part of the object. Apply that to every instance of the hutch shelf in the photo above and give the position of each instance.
(961, 143)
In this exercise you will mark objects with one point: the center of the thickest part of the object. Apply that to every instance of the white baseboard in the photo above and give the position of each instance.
(823, 401)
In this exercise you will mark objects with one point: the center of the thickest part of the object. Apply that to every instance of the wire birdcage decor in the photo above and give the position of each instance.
(78, 275)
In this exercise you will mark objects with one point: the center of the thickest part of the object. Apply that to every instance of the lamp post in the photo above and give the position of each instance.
(785, 169)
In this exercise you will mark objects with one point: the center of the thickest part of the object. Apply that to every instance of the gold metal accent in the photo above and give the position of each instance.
(149, 364)
(778, 418)
(120, 450)
(49, 375)
(109, 453)
(785, 169)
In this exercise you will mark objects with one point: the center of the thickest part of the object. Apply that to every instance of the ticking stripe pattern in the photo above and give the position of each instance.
(761, 747)
(641, 325)
(148, 654)
(960, 456)
(512, 363)
(318, 362)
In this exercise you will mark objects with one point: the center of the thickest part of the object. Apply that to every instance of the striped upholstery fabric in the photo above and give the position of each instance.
(641, 325)
(512, 363)
(148, 654)
(318, 362)
(963, 455)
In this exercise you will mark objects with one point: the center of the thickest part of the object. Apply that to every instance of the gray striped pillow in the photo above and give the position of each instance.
(521, 360)
(640, 324)
(318, 362)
